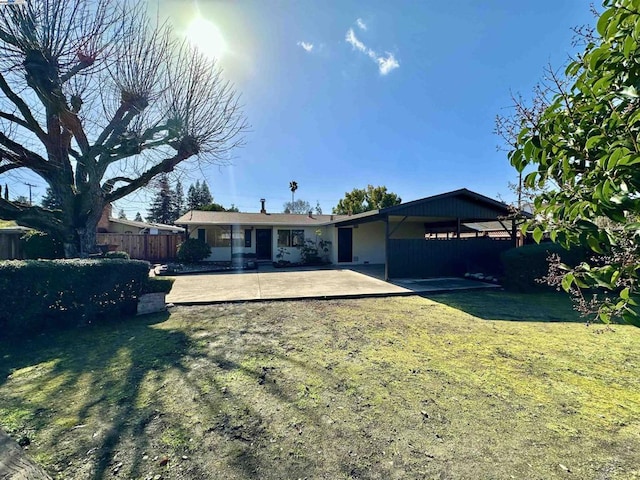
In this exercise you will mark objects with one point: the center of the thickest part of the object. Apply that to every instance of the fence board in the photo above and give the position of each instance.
(454, 257)
(155, 248)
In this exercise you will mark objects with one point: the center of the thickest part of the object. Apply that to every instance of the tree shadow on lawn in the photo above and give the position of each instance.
(92, 375)
(509, 306)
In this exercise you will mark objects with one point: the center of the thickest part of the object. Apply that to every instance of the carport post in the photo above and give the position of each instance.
(386, 248)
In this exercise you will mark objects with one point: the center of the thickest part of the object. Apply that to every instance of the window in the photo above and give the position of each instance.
(290, 238)
(247, 238)
(221, 237)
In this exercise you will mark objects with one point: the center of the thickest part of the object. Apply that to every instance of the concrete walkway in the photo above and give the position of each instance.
(289, 284)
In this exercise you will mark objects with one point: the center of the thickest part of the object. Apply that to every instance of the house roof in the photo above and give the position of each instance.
(199, 217)
(159, 226)
(462, 203)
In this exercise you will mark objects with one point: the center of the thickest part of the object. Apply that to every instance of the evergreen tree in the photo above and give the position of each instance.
(122, 215)
(193, 196)
(178, 199)
(163, 206)
(205, 195)
(138, 217)
(50, 201)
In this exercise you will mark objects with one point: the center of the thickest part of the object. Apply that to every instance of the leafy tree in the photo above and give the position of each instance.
(233, 208)
(362, 200)
(21, 200)
(50, 201)
(122, 215)
(299, 206)
(97, 101)
(163, 205)
(138, 217)
(213, 207)
(585, 148)
(318, 208)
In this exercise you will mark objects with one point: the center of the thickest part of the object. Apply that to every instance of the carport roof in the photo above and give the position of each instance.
(462, 203)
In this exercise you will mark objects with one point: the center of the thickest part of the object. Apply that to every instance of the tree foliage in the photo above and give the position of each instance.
(298, 206)
(198, 195)
(584, 148)
(97, 101)
(163, 205)
(362, 200)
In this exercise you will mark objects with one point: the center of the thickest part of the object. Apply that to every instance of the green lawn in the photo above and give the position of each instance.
(478, 385)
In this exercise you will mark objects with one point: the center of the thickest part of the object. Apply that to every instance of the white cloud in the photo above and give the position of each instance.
(306, 45)
(385, 64)
(361, 24)
(355, 43)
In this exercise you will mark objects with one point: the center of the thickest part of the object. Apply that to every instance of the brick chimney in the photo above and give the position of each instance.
(262, 209)
(103, 223)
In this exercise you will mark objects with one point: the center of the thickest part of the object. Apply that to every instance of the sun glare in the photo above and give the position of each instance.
(206, 36)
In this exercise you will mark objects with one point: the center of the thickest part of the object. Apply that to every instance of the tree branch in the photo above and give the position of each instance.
(25, 157)
(32, 216)
(33, 125)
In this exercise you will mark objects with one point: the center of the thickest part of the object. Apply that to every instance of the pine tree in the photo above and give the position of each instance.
(178, 199)
(122, 215)
(138, 217)
(50, 201)
(163, 206)
(205, 195)
(193, 196)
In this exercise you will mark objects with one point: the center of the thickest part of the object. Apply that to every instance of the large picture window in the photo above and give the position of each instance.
(290, 238)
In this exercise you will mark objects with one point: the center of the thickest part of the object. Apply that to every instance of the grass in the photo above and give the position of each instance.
(441, 387)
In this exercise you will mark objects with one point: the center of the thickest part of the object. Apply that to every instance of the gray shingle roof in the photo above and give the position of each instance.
(198, 217)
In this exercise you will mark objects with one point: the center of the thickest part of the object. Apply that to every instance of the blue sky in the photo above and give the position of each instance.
(395, 93)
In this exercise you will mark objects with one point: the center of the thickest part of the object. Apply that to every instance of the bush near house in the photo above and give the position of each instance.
(193, 250)
(158, 285)
(524, 266)
(43, 294)
(38, 244)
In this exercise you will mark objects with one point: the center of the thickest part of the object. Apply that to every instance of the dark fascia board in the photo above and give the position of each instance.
(454, 193)
(366, 217)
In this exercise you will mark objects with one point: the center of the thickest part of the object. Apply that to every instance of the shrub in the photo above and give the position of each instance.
(193, 250)
(122, 255)
(158, 285)
(38, 244)
(524, 265)
(40, 294)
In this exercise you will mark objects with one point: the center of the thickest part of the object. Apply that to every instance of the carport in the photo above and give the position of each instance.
(443, 235)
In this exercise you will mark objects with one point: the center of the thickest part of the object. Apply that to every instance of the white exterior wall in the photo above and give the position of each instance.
(310, 233)
(368, 244)
(407, 229)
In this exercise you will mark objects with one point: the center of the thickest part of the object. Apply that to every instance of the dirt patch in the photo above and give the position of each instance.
(372, 388)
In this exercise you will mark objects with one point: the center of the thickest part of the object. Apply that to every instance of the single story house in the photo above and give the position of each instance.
(109, 224)
(447, 234)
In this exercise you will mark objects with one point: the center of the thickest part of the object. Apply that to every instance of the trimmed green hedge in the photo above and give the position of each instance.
(36, 244)
(41, 294)
(522, 266)
(158, 285)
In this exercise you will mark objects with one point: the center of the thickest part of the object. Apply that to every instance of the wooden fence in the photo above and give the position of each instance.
(155, 248)
(11, 246)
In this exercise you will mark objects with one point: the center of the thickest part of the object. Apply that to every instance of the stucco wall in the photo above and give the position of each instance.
(368, 243)
(310, 233)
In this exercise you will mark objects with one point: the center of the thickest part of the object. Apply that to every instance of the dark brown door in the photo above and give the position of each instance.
(263, 243)
(345, 245)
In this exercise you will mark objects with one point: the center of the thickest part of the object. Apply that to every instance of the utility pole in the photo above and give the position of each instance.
(30, 185)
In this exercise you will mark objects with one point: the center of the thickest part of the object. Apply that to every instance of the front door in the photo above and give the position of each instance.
(345, 245)
(263, 243)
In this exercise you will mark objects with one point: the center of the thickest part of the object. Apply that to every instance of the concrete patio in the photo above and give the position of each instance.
(268, 283)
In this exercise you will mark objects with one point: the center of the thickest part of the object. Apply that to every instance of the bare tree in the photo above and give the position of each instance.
(97, 100)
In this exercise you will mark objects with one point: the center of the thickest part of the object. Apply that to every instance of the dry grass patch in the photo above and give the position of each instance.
(377, 388)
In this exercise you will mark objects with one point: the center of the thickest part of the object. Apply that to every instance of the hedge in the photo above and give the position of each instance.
(523, 266)
(43, 294)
